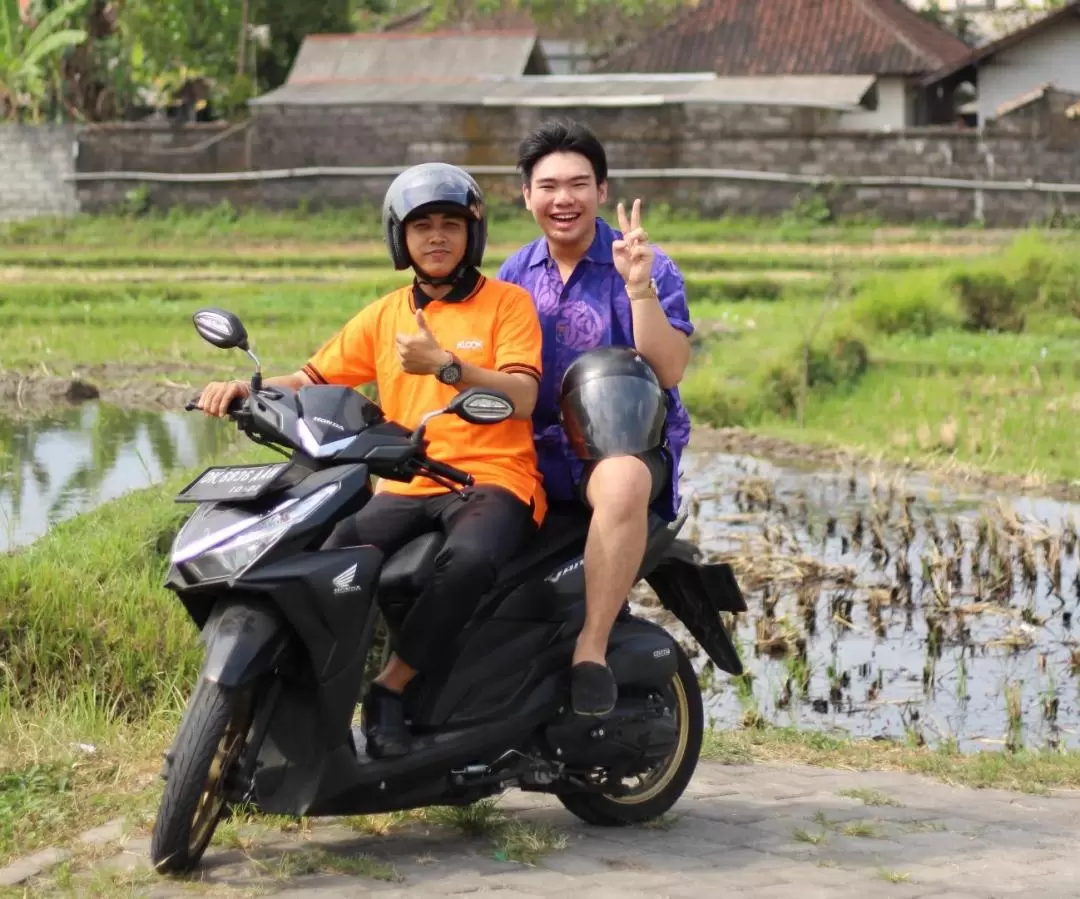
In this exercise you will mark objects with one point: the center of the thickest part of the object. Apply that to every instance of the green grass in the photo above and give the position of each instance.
(86, 618)
(371, 260)
(1025, 771)
(509, 222)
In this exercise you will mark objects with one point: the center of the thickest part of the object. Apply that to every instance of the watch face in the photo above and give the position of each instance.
(450, 373)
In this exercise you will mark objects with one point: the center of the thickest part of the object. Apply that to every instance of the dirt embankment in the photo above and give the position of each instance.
(131, 386)
(944, 468)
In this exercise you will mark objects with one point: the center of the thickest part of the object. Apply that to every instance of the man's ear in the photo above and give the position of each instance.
(601, 193)
(525, 192)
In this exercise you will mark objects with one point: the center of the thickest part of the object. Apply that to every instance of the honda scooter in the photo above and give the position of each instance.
(289, 627)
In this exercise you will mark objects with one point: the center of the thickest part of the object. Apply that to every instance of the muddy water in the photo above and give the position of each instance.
(57, 466)
(951, 639)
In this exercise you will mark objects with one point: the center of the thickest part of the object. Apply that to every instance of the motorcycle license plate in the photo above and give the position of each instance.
(233, 483)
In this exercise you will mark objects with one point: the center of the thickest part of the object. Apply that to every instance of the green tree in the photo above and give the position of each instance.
(289, 22)
(30, 58)
(605, 24)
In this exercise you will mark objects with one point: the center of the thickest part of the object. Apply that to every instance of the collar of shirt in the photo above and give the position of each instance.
(599, 250)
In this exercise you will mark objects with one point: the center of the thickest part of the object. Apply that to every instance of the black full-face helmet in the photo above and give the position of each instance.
(611, 404)
(434, 187)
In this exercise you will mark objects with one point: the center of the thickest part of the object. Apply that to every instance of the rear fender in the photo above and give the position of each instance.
(696, 593)
(243, 640)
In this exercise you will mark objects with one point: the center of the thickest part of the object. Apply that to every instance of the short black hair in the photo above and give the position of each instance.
(562, 136)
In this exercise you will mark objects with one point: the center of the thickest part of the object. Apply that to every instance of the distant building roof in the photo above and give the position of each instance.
(1070, 10)
(844, 92)
(328, 58)
(794, 37)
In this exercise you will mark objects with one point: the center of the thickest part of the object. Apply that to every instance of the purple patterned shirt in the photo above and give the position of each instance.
(590, 311)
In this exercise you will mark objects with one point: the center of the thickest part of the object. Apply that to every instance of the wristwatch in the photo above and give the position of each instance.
(450, 373)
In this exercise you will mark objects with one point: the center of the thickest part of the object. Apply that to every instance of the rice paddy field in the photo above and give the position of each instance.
(884, 450)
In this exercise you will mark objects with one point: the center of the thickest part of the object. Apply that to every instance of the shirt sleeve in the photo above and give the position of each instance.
(518, 337)
(348, 358)
(672, 291)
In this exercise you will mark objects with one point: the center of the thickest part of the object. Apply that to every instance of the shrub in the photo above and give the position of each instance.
(917, 303)
(836, 362)
(992, 300)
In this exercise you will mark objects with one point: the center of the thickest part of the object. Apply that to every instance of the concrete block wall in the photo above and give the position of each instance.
(1041, 144)
(33, 163)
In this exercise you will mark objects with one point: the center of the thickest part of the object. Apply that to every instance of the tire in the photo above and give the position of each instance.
(214, 730)
(669, 782)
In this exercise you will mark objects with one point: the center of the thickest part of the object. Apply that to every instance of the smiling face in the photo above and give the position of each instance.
(437, 242)
(563, 197)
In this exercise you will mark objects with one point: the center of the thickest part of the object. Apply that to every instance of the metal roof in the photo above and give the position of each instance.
(346, 57)
(843, 92)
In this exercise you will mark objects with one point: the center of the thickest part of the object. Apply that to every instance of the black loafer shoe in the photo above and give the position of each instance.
(593, 690)
(384, 724)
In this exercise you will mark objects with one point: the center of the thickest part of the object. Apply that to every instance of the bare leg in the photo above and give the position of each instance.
(396, 675)
(618, 492)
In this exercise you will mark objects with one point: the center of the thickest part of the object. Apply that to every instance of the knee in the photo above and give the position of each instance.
(620, 488)
(466, 564)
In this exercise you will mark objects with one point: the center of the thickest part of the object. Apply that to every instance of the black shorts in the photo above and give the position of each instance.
(656, 460)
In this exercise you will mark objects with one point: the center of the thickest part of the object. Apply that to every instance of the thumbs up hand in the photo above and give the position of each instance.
(420, 354)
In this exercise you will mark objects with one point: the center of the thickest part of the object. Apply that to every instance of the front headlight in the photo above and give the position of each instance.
(239, 551)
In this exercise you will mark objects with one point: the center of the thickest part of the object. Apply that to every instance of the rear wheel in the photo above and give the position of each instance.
(658, 789)
(204, 756)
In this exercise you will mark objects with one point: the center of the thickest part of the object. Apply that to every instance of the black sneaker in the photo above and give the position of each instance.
(593, 690)
(384, 723)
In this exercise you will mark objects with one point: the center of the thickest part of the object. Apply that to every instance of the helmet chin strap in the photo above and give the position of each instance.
(424, 278)
(463, 283)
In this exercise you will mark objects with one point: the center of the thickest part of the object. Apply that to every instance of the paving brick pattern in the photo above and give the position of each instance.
(740, 831)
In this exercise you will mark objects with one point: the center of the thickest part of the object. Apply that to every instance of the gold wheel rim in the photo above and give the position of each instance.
(212, 801)
(662, 775)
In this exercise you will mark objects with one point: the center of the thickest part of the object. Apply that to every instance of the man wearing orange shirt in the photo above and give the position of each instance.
(452, 329)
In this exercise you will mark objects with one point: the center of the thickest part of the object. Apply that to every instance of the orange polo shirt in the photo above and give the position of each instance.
(496, 328)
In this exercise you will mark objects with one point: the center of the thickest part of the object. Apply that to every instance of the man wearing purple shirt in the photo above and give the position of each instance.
(593, 287)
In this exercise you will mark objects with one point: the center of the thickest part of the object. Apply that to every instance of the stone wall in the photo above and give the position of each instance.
(1044, 147)
(33, 164)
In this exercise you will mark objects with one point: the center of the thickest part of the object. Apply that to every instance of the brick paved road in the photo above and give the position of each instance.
(747, 831)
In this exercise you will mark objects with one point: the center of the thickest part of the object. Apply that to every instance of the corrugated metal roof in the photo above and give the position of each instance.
(820, 91)
(346, 57)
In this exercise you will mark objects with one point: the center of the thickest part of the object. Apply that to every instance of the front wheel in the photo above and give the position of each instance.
(659, 789)
(205, 754)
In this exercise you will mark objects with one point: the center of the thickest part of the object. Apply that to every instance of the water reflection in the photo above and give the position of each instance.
(72, 460)
(894, 607)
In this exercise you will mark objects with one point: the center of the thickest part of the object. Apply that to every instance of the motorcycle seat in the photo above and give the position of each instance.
(407, 571)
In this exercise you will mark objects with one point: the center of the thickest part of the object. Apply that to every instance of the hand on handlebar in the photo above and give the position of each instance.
(217, 396)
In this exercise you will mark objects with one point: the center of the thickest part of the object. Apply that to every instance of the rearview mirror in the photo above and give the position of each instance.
(481, 406)
(220, 328)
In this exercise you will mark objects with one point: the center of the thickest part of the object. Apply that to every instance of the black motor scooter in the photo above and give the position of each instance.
(288, 628)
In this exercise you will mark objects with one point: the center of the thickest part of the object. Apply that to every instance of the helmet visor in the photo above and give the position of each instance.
(614, 416)
(432, 187)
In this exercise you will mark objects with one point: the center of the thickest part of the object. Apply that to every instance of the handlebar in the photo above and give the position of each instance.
(447, 471)
(423, 464)
(235, 405)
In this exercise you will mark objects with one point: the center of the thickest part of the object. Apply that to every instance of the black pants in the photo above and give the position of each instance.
(485, 528)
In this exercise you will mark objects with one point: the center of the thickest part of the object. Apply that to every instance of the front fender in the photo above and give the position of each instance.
(696, 593)
(243, 640)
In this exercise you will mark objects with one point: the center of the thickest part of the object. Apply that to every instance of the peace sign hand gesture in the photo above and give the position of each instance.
(632, 254)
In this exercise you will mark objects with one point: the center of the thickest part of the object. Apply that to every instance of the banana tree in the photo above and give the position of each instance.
(29, 56)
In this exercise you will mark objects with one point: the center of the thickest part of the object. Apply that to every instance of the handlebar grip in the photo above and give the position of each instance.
(449, 472)
(236, 404)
